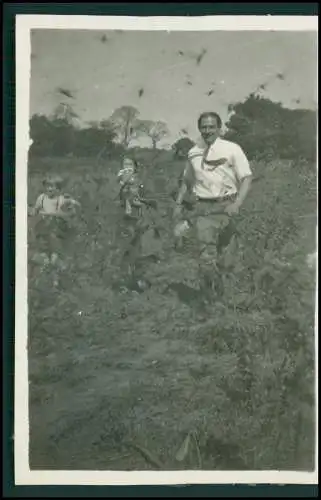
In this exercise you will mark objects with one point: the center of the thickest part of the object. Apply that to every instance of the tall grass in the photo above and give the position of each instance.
(239, 375)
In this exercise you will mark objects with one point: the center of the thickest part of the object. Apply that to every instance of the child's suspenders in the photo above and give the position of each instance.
(59, 203)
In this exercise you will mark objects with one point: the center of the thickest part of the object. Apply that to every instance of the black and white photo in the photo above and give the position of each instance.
(166, 266)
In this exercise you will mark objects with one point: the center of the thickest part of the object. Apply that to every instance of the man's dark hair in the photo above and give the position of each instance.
(213, 115)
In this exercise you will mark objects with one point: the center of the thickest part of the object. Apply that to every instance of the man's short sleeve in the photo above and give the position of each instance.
(241, 163)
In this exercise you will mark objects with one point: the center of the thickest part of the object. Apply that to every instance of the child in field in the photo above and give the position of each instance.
(130, 188)
(52, 209)
(144, 240)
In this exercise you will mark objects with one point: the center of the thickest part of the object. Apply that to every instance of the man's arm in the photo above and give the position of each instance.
(182, 190)
(244, 190)
(186, 183)
(244, 173)
(245, 186)
(181, 193)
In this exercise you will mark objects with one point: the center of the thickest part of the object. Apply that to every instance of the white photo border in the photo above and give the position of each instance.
(23, 475)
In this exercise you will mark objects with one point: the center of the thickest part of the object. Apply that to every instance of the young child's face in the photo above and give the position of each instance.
(52, 189)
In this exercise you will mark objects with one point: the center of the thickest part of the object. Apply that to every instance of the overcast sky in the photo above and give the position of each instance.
(107, 74)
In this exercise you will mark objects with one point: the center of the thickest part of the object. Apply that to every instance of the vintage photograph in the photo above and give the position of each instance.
(172, 250)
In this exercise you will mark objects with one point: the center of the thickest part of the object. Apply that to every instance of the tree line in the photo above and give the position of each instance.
(265, 129)
(60, 134)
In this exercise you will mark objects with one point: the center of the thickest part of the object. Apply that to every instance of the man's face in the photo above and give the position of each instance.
(209, 129)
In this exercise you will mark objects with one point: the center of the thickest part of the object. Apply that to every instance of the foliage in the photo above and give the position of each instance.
(232, 380)
(155, 130)
(158, 366)
(58, 137)
(65, 112)
(266, 129)
(90, 141)
(181, 147)
(123, 121)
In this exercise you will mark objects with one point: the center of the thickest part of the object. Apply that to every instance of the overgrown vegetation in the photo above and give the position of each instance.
(266, 129)
(114, 371)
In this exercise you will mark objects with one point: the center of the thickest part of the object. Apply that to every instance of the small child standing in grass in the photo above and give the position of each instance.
(52, 209)
(144, 238)
(130, 187)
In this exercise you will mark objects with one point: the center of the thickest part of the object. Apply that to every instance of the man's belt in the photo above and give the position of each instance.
(222, 199)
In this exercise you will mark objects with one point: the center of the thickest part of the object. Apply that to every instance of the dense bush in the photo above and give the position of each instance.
(267, 130)
(58, 137)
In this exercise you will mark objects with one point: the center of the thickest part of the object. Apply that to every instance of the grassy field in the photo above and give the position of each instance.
(118, 378)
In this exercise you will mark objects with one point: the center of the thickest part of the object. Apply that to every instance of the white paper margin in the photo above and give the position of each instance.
(23, 475)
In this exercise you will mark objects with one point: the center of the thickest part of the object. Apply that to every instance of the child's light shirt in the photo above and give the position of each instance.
(126, 175)
(50, 206)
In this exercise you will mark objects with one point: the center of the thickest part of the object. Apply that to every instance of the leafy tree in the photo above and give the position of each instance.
(266, 129)
(66, 113)
(64, 120)
(155, 130)
(123, 121)
(90, 141)
(40, 132)
(106, 129)
(58, 136)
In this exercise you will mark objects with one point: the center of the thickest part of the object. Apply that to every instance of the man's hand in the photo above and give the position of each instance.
(233, 209)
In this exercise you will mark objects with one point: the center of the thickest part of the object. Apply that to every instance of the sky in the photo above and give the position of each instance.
(106, 69)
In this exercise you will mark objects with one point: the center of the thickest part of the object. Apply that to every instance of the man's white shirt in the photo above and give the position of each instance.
(222, 178)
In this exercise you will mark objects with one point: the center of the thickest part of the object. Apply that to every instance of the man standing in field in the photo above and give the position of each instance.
(218, 176)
